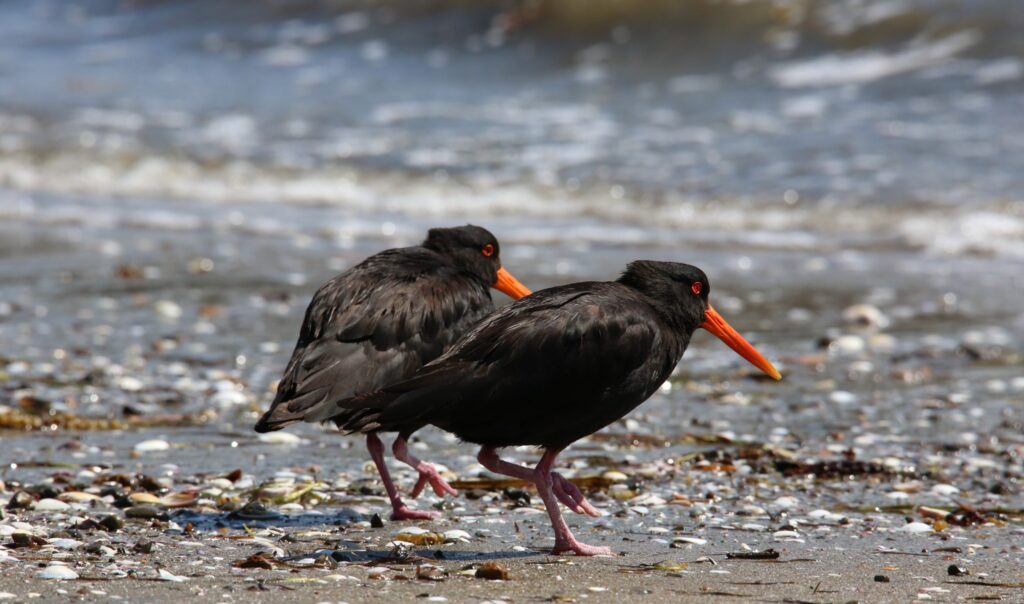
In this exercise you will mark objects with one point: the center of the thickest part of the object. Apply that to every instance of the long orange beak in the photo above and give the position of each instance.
(509, 285)
(714, 323)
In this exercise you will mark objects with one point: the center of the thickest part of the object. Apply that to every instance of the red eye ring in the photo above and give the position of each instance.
(488, 250)
(696, 288)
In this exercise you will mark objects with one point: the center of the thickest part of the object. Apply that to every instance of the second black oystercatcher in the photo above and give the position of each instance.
(379, 322)
(554, 367)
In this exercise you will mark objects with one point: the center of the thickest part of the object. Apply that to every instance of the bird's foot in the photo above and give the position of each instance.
(580, 549)
(402, 512)
(571, 497)
(430, 475)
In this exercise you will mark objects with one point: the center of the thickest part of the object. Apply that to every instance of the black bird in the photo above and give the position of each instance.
(554, 367)
(379, 322)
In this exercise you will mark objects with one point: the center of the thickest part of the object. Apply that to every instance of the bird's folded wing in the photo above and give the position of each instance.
(363, 334)
(557, 339)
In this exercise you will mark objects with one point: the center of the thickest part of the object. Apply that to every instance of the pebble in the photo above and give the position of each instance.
(917, 528)
(842, 397)
(112, 523)
(168, 309)
(145, 512)
(147, 446)
(77, 497)
(50, 505)
(847, 344)
(865, 315)
(945, 490)
(457, 535)
(787, 502)
(57, 572)
(279, 438)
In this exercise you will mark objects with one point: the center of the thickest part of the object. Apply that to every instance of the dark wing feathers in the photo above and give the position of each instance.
(370, 326)
(568, 346)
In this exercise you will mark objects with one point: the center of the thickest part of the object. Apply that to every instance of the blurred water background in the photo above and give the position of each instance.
(800, 123)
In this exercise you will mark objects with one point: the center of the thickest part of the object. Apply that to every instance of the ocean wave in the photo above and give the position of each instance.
(551, 214)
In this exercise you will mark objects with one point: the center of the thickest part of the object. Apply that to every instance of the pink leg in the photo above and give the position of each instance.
(541, 476)
(565, 491)
(428, 473)
(399, 511)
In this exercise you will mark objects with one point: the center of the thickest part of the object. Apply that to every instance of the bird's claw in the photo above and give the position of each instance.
(430, 475)
(571, 497)
(581, 549)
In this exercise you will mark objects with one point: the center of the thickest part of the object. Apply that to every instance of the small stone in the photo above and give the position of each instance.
(148, 446)
(111, 523)
(57, 572)
(945, 490)
(145, 512)
(144, 547)
(50, 505)
(456, 535)
(865, 315)
(847, 344)
(881, 579)
(23, 539)
(168, 309)
(376, 521)
(957, 571)
(77, 497)
(144, 499)
(917, 528)
(279, 438)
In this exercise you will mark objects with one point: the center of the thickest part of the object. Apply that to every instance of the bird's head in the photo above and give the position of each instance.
(475, 250)
(682, 292)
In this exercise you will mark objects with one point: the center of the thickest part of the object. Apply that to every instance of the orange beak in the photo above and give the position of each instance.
(714, 323)
(509, 285)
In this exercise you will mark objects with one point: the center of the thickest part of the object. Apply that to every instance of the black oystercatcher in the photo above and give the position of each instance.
(379, 322)
(553, 368)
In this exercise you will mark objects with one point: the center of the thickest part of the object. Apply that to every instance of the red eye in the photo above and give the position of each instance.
(488, 250)
(696, 288)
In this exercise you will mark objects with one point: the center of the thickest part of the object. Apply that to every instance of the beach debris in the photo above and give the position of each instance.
(881, 579)
(492, 571)
(429, 572)
(258, 560)
(165, 575)
(419, 536)
(768, 554)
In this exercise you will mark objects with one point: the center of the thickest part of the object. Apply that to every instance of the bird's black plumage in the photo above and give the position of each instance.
(553, 367)
(379, 321)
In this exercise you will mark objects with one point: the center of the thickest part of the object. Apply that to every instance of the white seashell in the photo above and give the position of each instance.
(57, 572)
(917, 528)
